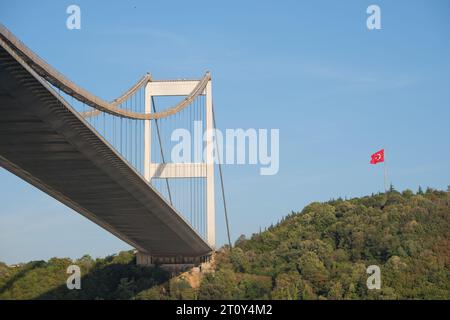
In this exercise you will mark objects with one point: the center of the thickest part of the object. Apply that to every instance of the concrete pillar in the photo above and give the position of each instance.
(147, 133)
(210, 198)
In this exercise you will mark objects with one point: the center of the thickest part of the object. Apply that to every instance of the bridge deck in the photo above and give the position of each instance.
(45, 142)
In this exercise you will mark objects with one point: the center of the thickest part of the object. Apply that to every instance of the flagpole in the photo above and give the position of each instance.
(385, 173)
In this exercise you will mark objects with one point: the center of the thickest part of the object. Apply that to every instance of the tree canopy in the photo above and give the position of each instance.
(321, 252)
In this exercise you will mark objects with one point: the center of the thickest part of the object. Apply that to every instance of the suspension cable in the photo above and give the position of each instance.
(161, 149)
(221, 181)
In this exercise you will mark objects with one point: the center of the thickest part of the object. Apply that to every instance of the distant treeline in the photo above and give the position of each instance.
(321, 252)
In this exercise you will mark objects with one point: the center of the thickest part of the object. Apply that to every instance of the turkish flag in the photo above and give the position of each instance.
(377, 157)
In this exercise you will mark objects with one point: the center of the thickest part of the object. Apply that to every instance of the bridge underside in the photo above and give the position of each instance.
(44, 141)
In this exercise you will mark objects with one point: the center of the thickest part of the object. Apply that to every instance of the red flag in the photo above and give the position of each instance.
(377, 157)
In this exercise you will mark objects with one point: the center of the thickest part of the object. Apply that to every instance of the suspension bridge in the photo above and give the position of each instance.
(110, 160)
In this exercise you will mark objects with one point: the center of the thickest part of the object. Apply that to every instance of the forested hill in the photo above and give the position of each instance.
(319, 253)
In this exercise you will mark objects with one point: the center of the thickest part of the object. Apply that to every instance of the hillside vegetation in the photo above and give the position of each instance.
(321, 252)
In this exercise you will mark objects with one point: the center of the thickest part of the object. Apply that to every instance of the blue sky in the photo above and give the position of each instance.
(337, 91)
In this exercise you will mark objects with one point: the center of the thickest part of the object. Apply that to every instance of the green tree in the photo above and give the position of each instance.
(180, 289)
(288, 286)
(239, 260)
(219, 285)
(313, 269)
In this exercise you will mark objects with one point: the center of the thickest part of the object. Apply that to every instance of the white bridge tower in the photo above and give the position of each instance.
(171, 170)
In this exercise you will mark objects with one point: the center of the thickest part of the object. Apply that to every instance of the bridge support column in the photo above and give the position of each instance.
(210, 199)
(147, 133)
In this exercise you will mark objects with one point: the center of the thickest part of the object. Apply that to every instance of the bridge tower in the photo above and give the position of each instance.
(203, 169)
